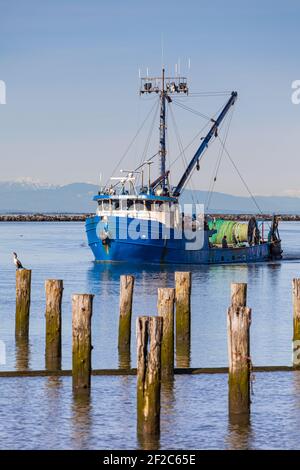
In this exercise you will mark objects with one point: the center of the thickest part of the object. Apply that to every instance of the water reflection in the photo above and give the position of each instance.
(22, 354)
(296, 389)
(81, 420)
(106, 275)
(239, 432)
(261, 273)
(54, 384)
(167, 398)
(239, 422)
(168, 420)
(183, 353)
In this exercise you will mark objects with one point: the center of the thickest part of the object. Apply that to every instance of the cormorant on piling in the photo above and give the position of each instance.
(17, 262)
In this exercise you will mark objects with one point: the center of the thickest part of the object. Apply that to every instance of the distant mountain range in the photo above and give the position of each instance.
(27, 196)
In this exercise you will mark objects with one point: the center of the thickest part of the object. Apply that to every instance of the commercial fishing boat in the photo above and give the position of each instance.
(146, 222)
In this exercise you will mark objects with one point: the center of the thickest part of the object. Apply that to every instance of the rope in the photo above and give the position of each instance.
(196, 136)
(149, 136)
(204, 152)
(181, 149)
(218, 92)
(217, 167)
(168, 151)
(200, 94)
(241, 177)
(132, 141)
(191, 110)
(148, 160)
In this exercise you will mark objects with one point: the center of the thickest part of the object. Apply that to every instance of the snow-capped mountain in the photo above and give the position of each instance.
(26, 195)
(33, 196)
(25, 184)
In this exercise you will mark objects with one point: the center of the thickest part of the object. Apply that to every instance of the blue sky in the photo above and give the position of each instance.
(71, 71)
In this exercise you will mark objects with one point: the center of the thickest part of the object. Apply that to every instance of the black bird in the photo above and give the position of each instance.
(17, 262)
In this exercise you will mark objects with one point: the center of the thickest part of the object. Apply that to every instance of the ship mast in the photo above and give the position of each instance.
(164, 87)
(162, 134)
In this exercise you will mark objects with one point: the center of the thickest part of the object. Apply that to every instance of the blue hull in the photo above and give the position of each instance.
(145, 249)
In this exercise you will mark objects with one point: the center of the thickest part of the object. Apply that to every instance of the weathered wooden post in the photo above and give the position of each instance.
(54, 291)
(148, 374)
(238, 330)
(296, 323)
(239, 294)
(23, 286)
(165, 306)
(82, 309)
(183, 285)
(126, 296)
(22, 353)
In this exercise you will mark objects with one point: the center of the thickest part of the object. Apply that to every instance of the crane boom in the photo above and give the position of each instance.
(213, 131)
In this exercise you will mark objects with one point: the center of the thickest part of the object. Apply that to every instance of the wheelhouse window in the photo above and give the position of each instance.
(115, 204)
(139, 205)
(148, 205)
(164, 206)
(130, 204)
(106, 205)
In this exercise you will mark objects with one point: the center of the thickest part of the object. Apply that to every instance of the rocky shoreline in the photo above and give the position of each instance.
(82, 217)
(44, 217)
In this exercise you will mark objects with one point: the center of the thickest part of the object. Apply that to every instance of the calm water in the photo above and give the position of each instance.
(30, 407)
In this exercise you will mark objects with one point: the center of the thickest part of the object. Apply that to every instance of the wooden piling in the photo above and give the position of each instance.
(124, 360)
(126, 296)
(23, 287)
(22, 354)
(148, 374)
(82, 309)
(183, 284)
(238, 294)
(296, 323)
(238, 330)
(54, 291)
(165, 306)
